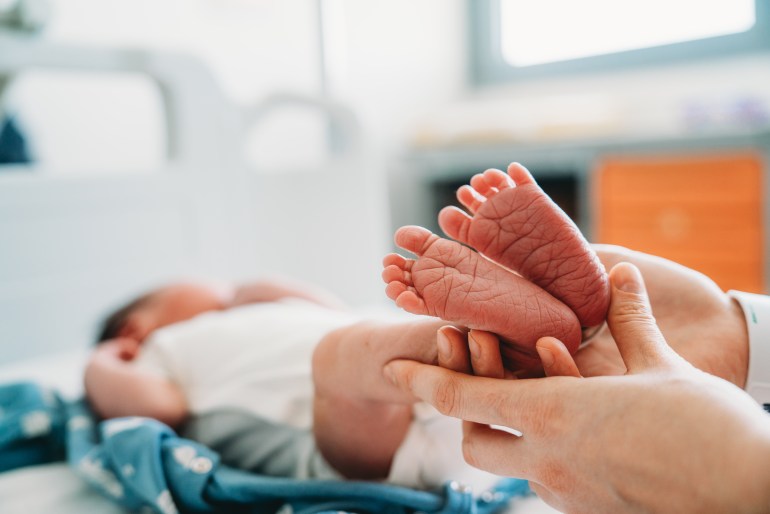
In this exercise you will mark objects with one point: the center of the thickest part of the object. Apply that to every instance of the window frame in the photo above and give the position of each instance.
(487, 65)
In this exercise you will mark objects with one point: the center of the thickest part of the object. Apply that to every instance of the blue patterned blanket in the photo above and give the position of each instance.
(142, 464)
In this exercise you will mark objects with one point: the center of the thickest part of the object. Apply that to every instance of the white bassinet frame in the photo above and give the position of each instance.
(71, 246)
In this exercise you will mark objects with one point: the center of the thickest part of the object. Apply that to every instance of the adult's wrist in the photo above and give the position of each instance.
(755, 311)
(728, 355)
(741, 345)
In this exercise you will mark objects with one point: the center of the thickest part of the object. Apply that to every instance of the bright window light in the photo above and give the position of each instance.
(542, 31)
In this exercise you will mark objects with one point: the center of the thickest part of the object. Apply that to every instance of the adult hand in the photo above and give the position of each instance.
(699, 321)
(665, 437)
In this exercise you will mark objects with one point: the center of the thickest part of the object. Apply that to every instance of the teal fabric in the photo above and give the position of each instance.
(142, 464)
(13, 143)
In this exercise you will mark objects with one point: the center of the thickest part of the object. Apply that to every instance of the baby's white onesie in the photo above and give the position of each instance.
(256, 360)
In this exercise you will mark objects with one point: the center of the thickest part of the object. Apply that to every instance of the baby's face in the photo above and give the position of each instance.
(171, 304)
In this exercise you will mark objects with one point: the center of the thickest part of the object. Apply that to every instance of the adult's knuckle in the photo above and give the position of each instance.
(631, 311)
(553, 476)
(403, 378)
(446, 399)
(502, 407)
(540, 425)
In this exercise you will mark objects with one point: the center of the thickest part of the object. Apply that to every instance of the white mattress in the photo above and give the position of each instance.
(50, 489)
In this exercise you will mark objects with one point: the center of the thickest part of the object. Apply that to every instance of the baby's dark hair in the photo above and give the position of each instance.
(114, 323)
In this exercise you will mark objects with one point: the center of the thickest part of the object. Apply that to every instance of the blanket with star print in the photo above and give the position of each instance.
(142, 464)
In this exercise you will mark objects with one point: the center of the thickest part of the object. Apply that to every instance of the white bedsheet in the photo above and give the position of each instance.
(50, 489)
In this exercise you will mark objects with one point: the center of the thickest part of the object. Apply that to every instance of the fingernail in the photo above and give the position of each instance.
(546, 356)
(444, 348)
(628, 279)
(474, 347)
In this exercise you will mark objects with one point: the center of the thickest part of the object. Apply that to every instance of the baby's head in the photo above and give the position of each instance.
(159, 308)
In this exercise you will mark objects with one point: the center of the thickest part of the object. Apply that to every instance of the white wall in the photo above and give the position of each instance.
(655, 102)
(404, 60)
(253, 46)
(97, 124)
(426, 97)
(401, 64)
(394, 62)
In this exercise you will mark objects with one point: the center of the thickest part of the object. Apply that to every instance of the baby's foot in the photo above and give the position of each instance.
(515, 224)
(454, 283)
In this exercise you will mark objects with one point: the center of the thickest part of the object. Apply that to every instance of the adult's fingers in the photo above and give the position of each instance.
(520, 404)
(632, 324)
(485, 354)
(453, 350)
(557, 361)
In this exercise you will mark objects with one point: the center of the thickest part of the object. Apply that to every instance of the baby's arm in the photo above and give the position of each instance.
(271, 290)
(116, 388)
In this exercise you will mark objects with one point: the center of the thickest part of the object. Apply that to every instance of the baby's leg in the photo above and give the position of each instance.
(360, 418)
(515, 224)
(453, 282)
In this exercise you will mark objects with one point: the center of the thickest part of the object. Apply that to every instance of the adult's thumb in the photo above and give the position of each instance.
(632, 324)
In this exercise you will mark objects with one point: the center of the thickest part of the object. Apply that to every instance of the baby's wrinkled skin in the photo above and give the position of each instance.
(455, 283)
(532, 273)
(523, 230)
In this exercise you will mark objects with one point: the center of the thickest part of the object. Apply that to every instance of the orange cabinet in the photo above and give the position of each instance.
(703, 211)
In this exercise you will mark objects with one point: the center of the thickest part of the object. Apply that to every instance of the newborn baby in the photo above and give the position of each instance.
(308, 374)
(281, 381)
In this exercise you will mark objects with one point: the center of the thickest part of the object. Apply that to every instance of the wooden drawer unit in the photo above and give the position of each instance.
(702, 211)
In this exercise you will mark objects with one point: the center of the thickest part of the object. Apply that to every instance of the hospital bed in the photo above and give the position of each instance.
(75, 244)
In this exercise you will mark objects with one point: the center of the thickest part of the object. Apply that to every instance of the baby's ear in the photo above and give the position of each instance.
(135, 327)
(129, 348)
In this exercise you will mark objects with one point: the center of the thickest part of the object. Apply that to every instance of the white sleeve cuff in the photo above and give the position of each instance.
(431, 454)
(756, 309)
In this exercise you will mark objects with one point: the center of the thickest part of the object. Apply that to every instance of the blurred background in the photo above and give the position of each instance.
(145, 141)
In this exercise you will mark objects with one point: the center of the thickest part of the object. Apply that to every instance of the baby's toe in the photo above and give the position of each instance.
(415, 239)
(520, 174)
(396, 274)
(394, 289)
(480, 184)
(497, 180)
(410, 301)
(400, 261)
(455, 223)
(470, 198)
